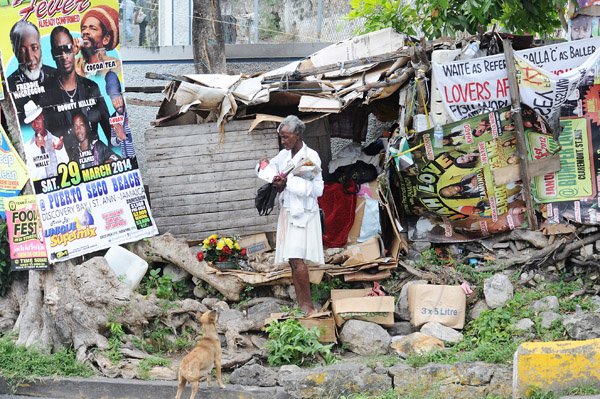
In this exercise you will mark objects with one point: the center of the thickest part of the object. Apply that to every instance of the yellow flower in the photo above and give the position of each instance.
(220, 245)
(214, 236)
(236, 246)
(229, 242)
(205, 243)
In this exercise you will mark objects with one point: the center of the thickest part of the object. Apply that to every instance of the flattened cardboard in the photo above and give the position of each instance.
(323, 321)
(355, 304)
(445, 304)
(364, 252)
(359, 213)
(255, 244)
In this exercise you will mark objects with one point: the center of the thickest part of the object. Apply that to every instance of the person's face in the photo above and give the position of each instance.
(581, 29)
(450, 191)
(118, 103)
(80, 126)
(91, 33)
(38, 125)
(62, 51)
(466, 158)
(29, 53)
(288, 139)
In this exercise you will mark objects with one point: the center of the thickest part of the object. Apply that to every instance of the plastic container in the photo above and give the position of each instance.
(127, 264)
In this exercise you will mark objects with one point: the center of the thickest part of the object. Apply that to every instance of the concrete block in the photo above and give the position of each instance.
(556, 366)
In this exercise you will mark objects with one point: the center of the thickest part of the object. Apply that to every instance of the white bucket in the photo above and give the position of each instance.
(127, 264)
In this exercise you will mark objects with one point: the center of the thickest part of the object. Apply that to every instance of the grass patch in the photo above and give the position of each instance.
(19, 364)
(145, 365)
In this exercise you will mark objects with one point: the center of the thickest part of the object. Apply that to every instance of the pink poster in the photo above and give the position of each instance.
(25, 235)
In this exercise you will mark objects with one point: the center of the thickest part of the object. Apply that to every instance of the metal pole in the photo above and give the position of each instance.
(255, 22)
(319, 18)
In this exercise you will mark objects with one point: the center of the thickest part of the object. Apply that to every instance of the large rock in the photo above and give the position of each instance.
(418, 343)
(334, 381)
(497, 291)
(556, 366)
(401, 328)
(402, 306)
(582, 325)
(549, 303)
(365, 338)
(524, 325)
(254, 374)
(441, 332)
(258, 313)
(229, 315)
(548, 318)
(476, 310)
(462, 380)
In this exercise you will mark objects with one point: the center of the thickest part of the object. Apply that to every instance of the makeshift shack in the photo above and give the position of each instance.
(465, 159)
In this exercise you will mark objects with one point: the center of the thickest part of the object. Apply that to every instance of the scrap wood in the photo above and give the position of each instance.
(535, 238)
(553, 229)
(392, 56)
(429, 276)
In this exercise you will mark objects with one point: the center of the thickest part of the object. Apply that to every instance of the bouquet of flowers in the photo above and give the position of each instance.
(221, 249)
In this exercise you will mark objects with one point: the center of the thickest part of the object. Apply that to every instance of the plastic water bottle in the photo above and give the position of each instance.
(470, 52)
(438, 136)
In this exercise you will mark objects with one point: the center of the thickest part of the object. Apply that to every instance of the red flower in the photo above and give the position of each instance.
(222, 258)
(226, 250)
(200, 256)
(243, 252)
(212, 241)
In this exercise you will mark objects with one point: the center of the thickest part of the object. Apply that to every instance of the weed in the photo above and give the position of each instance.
(537, 393)
(322, 292)
(245, 296)
(145, 365)
(163, 286)
(385, 361)
(160, 339)
(584, 390)
(291, 343)
(20, 364)
(114, 341)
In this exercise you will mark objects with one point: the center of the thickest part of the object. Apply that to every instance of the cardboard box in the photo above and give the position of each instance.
(255, 243)
(445, 304)
(355, 304)
(323, 321)
(364, 252)
(359, 212)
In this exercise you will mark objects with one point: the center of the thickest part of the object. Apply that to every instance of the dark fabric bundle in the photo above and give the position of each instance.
(265, 199)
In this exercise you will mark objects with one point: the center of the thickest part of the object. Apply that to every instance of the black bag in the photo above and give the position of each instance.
(265, 199)
(359, 172)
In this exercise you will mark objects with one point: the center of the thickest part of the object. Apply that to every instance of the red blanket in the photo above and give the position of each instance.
(339, 209)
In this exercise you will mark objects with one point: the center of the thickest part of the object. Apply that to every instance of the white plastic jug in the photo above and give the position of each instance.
(126, 263)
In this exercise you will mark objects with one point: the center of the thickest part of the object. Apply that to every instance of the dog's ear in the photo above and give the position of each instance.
(212, 316)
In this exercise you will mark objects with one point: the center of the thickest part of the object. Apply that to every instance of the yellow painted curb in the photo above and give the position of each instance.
(556, 366)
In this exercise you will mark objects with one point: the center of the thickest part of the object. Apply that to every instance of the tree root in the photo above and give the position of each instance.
(166, 248)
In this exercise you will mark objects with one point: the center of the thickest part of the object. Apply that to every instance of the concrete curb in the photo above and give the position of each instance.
(108, 388)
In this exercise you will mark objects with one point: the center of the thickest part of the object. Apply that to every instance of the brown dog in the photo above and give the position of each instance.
(198, 364)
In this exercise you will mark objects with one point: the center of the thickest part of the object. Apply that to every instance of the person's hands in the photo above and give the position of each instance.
(263, 163)
(58, 145)
(280, 182)
(120, 131)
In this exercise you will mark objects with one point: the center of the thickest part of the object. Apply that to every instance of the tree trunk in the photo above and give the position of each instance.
(208, 41)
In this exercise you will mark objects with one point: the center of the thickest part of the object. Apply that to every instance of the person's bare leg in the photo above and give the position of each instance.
(302, 285)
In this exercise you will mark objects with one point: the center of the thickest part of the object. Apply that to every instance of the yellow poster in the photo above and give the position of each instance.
(13, 174)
